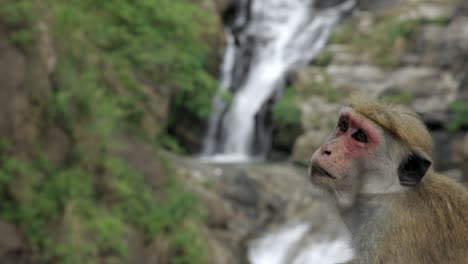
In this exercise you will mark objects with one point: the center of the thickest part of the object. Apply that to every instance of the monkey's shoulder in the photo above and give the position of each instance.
(440, 205)
(428, 224)
(436, 196)
(438, 188)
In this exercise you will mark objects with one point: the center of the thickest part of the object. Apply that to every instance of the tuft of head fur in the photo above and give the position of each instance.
(400, 121)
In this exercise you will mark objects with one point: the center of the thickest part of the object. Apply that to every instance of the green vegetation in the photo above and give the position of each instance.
(459, 118)
(41, 197)
(171, 143)
(343, 34)
(287, 117)
(227, 96)
(322, 88)
(21, 16)
(400, 98)
(286, 112)
(323, 59)
(113, 58)
(440, 21)
(149, 38)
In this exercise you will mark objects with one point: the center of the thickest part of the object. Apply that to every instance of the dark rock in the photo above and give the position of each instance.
(374, 6)
(443, 150)
(461, 8)
(12, 245)
(142, 157)
(241, 189)
(460, 154)
(58, 145)
(159, 251)
(322, 4)
(284, 137)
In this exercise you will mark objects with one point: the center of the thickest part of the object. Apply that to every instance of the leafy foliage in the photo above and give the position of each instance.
(459, 117)
(286, 112)
(161, 39)
(109, 53)
(400, 98)
(45, 196)
(323, 59)
(20, 15)
(322, 86)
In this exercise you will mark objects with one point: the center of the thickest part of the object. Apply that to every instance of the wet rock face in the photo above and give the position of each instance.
(322, 4)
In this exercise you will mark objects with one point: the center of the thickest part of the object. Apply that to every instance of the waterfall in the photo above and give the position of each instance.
(266, 39)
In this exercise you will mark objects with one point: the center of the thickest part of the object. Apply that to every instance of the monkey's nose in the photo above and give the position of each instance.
(326, 152)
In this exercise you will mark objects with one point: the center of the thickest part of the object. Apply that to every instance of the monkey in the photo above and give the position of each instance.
(377, 164)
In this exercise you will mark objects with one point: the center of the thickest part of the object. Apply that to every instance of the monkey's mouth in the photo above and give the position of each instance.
(317, 170)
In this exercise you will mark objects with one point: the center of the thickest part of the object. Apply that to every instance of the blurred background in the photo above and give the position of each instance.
(180, 131)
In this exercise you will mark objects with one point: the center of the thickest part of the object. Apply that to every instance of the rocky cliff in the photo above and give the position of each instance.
(413, 53)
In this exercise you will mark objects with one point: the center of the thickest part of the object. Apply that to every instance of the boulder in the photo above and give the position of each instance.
(306, 145)
(366, 79)
(318, 119)
(427, 11)
(12, 244)
(318, 114)
(430, 90)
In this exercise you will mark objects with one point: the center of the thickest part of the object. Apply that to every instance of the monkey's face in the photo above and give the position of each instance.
(374, 149)
(346, 154)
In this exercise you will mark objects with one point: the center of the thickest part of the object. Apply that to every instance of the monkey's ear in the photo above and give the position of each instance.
(412, 169)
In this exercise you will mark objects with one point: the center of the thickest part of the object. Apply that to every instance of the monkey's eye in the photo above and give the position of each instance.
(343, 126)
(360, 136)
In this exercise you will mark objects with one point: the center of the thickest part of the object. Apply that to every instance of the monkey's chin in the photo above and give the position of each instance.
(319, 179)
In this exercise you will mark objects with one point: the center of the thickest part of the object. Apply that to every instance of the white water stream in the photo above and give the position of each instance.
(292, 244)
(271, 38)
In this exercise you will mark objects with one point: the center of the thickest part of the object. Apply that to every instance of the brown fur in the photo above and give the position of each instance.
(399, 120)
(428, 224)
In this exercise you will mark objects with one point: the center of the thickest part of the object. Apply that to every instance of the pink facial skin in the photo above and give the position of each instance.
(340, 153)
(355, 148)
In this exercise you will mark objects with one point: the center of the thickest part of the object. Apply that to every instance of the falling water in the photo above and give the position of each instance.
(265, 40)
